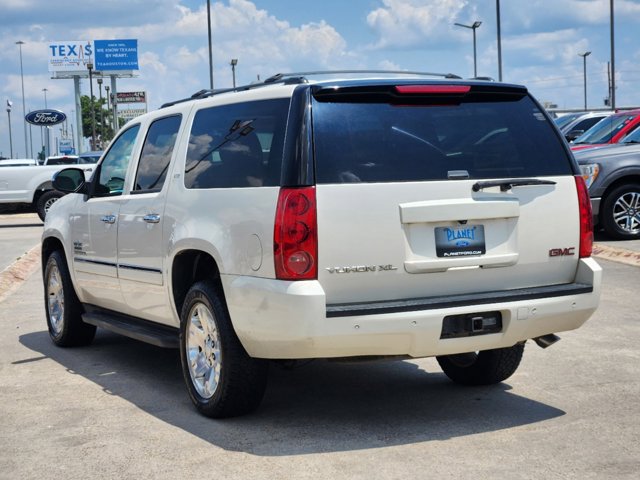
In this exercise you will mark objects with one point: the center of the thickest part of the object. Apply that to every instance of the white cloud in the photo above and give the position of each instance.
(403, 23)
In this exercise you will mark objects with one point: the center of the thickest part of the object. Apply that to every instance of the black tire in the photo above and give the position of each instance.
(62, 307)
(45, 201)
(239, 380)
(620, 214)
(483, 368)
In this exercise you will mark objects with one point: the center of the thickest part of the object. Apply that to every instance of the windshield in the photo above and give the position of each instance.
(633, 137)
(567, 119)
(604, 130)
(379, 142)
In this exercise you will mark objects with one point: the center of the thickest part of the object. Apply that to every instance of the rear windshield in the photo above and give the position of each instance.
(379, 142)
(62, 161)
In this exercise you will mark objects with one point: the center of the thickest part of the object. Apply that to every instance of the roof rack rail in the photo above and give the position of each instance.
(280, 76)
(300, 77)
(205, 93)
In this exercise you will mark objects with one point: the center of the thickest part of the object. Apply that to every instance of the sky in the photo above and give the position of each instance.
(541, 43)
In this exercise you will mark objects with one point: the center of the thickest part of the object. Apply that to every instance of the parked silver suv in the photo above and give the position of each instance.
(298, 219)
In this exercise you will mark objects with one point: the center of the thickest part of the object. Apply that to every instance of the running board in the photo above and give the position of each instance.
(136, 328)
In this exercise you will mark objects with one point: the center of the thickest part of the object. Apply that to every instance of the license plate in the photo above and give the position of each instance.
(460, 241)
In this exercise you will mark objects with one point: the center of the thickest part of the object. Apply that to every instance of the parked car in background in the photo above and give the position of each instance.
(608, 130)
(576, 127)
(564, 120)
(28, 183)
(90, 157)
(612, 174)
(18, 162)
(83, 158)
(61, 160)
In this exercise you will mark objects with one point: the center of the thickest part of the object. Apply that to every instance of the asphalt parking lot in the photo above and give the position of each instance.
(119, 409)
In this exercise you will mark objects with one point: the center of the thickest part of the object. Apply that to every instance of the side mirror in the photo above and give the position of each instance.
(69, 180)
(573, 134)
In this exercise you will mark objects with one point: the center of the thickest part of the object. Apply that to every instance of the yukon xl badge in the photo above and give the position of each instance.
(562, 252)
(362, 269)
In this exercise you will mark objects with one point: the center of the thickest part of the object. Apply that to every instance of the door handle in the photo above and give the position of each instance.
(152, 218)
(108, 219)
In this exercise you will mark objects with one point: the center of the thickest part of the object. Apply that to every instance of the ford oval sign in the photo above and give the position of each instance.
(44, 118)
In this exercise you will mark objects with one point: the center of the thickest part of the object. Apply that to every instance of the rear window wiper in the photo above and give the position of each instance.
(510, 183)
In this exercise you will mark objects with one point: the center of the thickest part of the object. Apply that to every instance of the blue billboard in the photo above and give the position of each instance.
(116, 54)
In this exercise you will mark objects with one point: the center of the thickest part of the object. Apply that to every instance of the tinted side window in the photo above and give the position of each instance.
(586, 124)
(156, 154)
(378, 142)
(113, 168)
(237, 145)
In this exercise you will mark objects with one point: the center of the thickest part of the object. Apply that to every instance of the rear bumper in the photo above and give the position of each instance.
(288, 320)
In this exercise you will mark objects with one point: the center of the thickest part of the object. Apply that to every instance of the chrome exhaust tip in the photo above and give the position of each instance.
(546, 340)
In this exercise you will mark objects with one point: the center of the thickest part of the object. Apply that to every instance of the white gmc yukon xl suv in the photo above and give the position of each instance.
(298, 219)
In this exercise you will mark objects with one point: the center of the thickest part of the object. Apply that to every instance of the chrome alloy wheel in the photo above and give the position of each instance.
(626, 212)
(48, 203)
(203, 351)
(55, 296)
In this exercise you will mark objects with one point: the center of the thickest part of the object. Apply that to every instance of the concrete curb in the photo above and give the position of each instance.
(617, 254)
(15, 274)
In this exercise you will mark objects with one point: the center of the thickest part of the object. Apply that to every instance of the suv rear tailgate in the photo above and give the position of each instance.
(388, 249)
(398, 214)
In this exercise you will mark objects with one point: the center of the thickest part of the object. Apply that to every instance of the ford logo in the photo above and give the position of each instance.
(45, 117)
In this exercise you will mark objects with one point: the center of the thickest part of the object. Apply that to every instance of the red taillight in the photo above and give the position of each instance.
(433, 89)
(295, 237)
(586, 220)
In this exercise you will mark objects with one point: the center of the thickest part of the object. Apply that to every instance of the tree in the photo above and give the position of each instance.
(104, 130)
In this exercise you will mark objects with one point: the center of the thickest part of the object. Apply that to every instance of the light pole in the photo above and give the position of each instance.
(613, 59)
(234, 62)
(24, 112)
(93, 116)
(584, 65)
(499, 41)
(101, 111)
(9, 104)
(44, 140)
(106, 87)
(210, 48)
(473, 27)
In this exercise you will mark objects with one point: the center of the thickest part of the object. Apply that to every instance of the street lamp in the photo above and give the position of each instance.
(24, 112)
(101, 110)
(106, 87)
(9, 104)
(46, 129)
(613, 57)
(93, 116)
(210, 49)
(234, 62)
(584, 65)
(499, 41)
(473, 27)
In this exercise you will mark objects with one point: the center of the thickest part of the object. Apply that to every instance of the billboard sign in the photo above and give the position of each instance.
(70, 56)
(131, 113)
(66, 146)
(116, 54)
(132, 97)
(44, 118)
